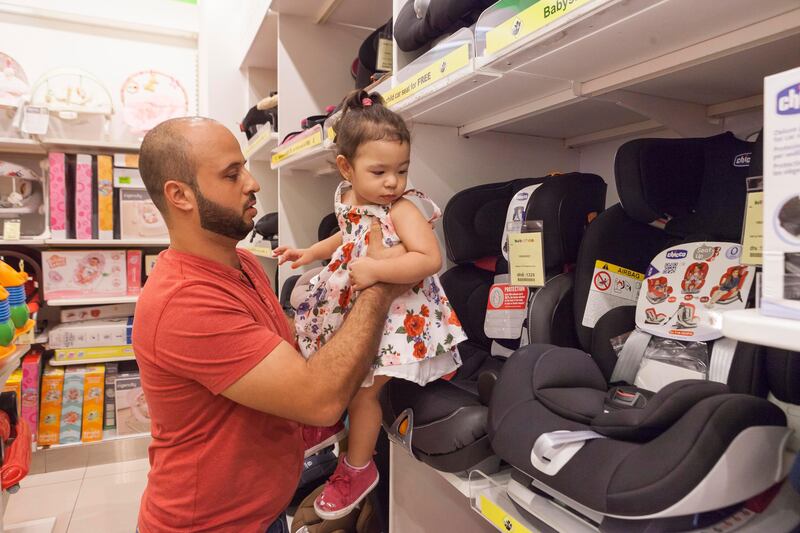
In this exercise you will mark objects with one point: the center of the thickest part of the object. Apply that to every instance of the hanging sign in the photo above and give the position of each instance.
(301, 145)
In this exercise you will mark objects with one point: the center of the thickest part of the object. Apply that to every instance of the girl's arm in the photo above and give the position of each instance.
(304, 256)
(422, 259)
(324, 249)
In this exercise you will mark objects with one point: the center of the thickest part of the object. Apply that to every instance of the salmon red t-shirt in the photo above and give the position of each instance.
(215, 465)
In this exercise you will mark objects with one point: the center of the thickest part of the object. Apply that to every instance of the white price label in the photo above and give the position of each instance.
(11, 230)
(36, 120)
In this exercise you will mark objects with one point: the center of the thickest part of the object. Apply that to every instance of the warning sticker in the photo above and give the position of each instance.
(612, 286)
(506, 309)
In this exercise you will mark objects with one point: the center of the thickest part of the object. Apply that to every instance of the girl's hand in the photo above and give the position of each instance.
(299, 256)
(363, 273)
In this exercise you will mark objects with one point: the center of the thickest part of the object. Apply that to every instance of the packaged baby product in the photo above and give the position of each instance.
(76, 314)
(139, 217)
(85, 273)
(781, 278)
(133, 415)
(109, 332)
(93, 401)
(128, 178)
(31, 370)
(126, 160)
(14, 384)
(72, 405)
(134, 259)
(109, 403)
(50, 413)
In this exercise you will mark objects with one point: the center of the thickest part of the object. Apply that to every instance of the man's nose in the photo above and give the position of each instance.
(251, 185)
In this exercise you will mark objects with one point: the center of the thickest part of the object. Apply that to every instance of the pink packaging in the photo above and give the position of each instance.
(58, 196)
(31, 367)
(134, 272)
(83, 197)
(84, 273)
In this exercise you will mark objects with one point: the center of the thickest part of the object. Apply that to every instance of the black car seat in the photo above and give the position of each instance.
(652, 456)
(444, 423)
(420, 22)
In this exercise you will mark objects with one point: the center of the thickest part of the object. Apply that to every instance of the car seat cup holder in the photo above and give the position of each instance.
(402, 430)
(553, 450)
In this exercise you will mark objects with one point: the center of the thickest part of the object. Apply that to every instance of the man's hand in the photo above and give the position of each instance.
(376, 249)
(299, 256)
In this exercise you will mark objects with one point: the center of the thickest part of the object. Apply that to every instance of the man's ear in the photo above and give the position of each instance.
(179, 195)
(344, 166)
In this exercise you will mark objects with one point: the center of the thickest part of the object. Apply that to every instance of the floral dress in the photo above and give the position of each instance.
(422, 330)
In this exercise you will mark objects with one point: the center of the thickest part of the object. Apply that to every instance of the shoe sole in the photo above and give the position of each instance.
(333, 439)
(333, 515)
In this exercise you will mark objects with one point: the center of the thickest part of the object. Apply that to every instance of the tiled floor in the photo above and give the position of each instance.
(88, 499)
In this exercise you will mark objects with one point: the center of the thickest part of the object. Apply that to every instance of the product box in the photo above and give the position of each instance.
(105, 198)
(14, 384)
(149, 263)
(133, 415)
(83, 197)
(77, 314)
(72, 405)
(126, 160)
(50, 413)
(139, 217)
(134, 273)
(58, 195)
(781, 277)
(31, 371)
(94, 354)
(128, 178)
(91, 333)
(93, 401)
(84, 273)
(109, 403)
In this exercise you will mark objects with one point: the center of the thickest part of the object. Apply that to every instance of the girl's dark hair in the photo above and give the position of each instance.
(366, 118)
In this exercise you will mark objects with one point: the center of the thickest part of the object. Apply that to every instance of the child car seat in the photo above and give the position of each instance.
(444, 423)
(652, 456)
(420, 22)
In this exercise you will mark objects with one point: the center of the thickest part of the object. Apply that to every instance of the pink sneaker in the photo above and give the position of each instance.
(320, 438)
(345, 490)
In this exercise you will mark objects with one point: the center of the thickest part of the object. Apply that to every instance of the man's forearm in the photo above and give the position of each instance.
(343, 362)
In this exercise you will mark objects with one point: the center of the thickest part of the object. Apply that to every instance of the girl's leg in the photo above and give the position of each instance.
(365, 423)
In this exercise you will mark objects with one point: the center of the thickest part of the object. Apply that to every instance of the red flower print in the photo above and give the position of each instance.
(414, 325)
(347, 251)
(353, 217)
(454, 320)
(333, 266)
(420, 350)
(424, 311)
(344, 298)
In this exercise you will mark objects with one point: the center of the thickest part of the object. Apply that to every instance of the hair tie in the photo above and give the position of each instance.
(366, 102)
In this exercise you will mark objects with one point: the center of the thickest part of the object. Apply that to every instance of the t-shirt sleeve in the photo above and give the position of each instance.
(206, 335)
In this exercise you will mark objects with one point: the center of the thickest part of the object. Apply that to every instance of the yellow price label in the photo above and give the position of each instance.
(261, 251)
(504, 522)
(331, 134)
(452, 62)
(532, 19)
(753, 233)
(295, 148)
(257, 142)
(604, 265)
(526, 259)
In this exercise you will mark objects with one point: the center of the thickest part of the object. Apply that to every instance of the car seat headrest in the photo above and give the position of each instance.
(328, 226)
(267, 226)
(690, 187)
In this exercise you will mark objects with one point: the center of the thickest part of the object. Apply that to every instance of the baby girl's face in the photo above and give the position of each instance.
(379, 171)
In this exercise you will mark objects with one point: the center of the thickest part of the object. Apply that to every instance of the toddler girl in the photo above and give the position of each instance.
(422, 331)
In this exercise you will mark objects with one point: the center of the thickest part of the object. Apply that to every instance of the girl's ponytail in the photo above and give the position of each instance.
(366, 118)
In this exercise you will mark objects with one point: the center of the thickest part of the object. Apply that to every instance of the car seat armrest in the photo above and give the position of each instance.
(612, 324)
(660, 412)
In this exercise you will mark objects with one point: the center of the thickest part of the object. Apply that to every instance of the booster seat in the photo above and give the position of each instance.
(444, 423)
(626, 458)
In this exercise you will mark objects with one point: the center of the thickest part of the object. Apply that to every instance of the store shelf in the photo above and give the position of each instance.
(20, 146)
(106, 440)
(309, 152)
(88, 145)
(66, 302)
(73, 362)
(115, 243)
(23, 242)
(363, 13)
(749, 325)
(259, 148)
(9, 363)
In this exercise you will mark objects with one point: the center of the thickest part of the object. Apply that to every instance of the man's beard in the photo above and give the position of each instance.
(222, 220)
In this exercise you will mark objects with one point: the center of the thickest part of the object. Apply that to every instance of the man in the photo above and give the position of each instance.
(227, 391)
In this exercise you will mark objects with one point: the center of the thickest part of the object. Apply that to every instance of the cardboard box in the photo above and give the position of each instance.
(149, 263)
(31, 371)
(139, 217)
(105, 198)
(134, 267)
(58, 195)
(50, 413)
(72, 405)
(126, 160)
(128, 178)
(781, 277)
(83, 197)
(92, 354)
(93, 401)
(133, 415)
(109, 403)
(91, 333)
(77, 314)
(14, 384)
(84, 273)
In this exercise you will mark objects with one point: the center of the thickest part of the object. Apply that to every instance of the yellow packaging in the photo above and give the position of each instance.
(93, 388)
(50, 412)
(14, 384)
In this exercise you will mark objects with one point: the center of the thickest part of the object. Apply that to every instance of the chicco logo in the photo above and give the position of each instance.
(788, 101)
(677, 254)
(742, 160)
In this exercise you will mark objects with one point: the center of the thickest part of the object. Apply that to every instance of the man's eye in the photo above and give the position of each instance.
(233, 177)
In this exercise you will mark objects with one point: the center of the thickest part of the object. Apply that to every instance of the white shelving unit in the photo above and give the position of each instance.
(10, 362)
(20, 146)
(81, 144)
(115, 243)
(66, 302)
(749, 325)
(258, 148)
(92, 361)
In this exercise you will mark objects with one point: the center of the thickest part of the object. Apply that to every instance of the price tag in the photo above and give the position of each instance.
(36, 120)
(11, 230)
(753, 230)
(526, 255)
(384, 62)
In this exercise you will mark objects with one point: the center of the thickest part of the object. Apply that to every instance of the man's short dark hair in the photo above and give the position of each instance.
(167, 155)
